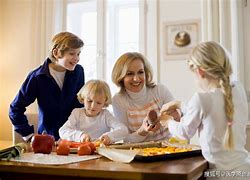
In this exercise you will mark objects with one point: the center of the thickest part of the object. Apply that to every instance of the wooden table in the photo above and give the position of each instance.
(186, 168)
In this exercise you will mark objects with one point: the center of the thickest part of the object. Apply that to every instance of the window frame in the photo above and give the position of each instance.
(101, 48)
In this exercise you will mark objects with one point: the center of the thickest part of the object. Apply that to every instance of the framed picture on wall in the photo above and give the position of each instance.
(179, 38)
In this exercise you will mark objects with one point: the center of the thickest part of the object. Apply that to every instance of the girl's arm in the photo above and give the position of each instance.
(70, 130)
(190, 122)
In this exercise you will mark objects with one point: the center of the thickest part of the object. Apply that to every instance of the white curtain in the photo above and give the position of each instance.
(222, 21)
(47, 20)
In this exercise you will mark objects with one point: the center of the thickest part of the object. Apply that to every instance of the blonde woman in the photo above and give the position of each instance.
(219, 112)
(54, 85)
(93, 121)
(138, 95)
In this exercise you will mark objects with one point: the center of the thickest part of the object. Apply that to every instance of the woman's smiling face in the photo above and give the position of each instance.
(134, 79)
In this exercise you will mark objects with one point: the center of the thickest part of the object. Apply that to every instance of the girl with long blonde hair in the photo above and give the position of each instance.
(219, 112)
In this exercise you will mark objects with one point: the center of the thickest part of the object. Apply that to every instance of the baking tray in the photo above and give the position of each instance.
(177, 155)
(163, 157)
(136, 145)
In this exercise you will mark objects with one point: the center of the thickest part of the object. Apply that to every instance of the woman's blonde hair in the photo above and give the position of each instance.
(94, 87)
(213, 59)
(121, 67)
(63, 42)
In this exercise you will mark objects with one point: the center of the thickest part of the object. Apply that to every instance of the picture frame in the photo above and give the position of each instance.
(180, 37)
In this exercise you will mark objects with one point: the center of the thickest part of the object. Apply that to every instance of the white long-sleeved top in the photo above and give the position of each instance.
(131, 109)
(205, 113)
(103, 124)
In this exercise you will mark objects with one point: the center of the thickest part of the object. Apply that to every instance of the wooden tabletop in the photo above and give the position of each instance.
(186, 168)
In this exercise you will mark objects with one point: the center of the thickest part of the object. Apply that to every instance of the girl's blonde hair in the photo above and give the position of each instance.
(121, 67)
(64, 41)
(94, 87)
(213, 59)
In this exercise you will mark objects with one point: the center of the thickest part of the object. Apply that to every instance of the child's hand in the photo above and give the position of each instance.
(106, 140)
(176, 114)
(85, 138)
(171, 109)
(170, 106)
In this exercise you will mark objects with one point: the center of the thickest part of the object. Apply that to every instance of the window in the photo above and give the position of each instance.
(108, 28)
(82, 20)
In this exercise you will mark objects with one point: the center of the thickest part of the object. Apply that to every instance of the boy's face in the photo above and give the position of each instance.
(70, 59)
(94, 104)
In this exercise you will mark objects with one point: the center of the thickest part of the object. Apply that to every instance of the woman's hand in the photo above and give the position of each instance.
(146, 127)
(155, 127)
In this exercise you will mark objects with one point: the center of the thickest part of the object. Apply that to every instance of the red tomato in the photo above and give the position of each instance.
(64, 141)
(63, 149)
(75, 144)
(83, 149)
(92, 147)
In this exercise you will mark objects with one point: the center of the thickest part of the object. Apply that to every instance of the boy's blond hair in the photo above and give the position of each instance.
(213, 59)
(94, 87)
(121, 67)
(63, 42)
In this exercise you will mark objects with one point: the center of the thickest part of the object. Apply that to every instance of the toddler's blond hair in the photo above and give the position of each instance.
(94, 87)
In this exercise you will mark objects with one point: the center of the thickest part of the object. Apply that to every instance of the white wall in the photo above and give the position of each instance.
(174, 73)
(16, 60)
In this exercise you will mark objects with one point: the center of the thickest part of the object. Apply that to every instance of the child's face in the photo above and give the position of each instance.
(70, 58)
(134, 80)
(94, 104)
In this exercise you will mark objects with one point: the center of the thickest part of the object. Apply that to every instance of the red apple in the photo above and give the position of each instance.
(42, 143)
